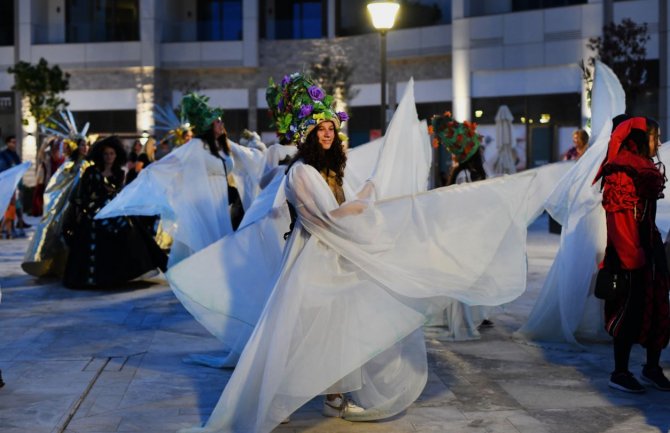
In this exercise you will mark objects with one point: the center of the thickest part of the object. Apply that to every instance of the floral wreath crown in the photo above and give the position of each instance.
(297, 105)
(460, 139)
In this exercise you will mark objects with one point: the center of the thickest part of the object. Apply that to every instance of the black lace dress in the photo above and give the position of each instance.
(105, 253)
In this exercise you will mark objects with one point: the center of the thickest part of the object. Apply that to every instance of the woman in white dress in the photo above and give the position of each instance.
(357, 281)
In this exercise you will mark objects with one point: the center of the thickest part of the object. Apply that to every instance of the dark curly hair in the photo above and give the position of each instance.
(96, 153)
(312, 153)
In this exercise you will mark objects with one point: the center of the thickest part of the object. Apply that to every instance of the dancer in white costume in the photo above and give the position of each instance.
(461, 321)
(566, 308)
(188, 188)
(227, 300)
(356, 280)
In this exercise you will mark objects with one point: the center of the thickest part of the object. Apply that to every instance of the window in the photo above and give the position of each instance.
(102, 20)
(219, 20)
(353, 17)
(524, 5)
(108, 121)
(296, 19)
(6, 22)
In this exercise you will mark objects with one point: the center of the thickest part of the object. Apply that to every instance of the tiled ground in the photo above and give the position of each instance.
(90, 362)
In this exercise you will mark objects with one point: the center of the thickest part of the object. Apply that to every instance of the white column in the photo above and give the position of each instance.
(460, 61)
(664, 55)
(26, 134)
(250, 19)
(146, 80)
(330, 19)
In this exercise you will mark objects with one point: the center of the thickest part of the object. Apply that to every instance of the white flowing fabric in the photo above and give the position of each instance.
(188, 189)
(347, 308)
(247, 172)
(566, 308)
(505, 162)
(9, 179)
(215, 285)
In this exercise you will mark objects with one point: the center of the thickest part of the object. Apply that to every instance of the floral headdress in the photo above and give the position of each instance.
(172, 126)
(297, 105)
(67, 129)
(195, 108)
(460, 139)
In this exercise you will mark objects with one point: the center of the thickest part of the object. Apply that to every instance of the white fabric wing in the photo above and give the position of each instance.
(566, 307)
(214, 297)
(9, 179)
(188, 189)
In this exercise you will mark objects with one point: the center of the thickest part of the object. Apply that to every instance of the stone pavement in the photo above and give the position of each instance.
(96, 362)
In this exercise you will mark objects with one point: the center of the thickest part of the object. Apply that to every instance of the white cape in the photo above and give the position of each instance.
(216, 286)
(9, 179)
(347, 308)
(193, 210)
(566, 307)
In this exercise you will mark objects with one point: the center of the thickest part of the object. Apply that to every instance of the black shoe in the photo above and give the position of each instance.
(1, 382)
(654, 376)
(486, 323)
(625, 382)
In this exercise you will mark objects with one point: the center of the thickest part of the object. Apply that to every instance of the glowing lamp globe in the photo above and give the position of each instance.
(383, 14)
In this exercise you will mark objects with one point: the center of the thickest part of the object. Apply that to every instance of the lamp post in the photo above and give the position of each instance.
(383, 15)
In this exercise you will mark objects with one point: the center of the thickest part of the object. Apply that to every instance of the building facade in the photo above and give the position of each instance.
(468, 56)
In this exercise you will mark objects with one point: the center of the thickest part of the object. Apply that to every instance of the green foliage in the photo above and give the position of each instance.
(623, 48)
(195, 108)
(41, 85)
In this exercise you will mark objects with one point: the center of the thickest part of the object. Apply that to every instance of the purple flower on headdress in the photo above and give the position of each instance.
(342, 116)
(316, 93)
(286, 80)
(289, 135)
(280, 105)
(305, 111)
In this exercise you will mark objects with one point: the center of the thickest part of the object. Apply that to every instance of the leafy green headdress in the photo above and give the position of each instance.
(460, 139)
(297, 105)
(200, 115)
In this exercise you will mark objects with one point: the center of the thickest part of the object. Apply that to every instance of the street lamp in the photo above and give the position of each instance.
(383, 16)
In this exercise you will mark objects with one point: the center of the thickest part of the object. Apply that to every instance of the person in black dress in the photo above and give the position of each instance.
(108, 252)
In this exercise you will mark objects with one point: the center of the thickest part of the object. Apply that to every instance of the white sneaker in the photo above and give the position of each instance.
(340, 407)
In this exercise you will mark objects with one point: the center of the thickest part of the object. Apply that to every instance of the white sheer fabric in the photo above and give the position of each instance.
(356, 285)
(9, 179)
(249, 163)
(566, 307)
(214, 285)
(188, 189)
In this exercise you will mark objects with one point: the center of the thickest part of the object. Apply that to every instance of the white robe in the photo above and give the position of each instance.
(566, 307)
(215, 286)
(347, 306)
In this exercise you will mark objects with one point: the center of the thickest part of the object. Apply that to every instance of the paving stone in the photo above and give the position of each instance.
(129, 346)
